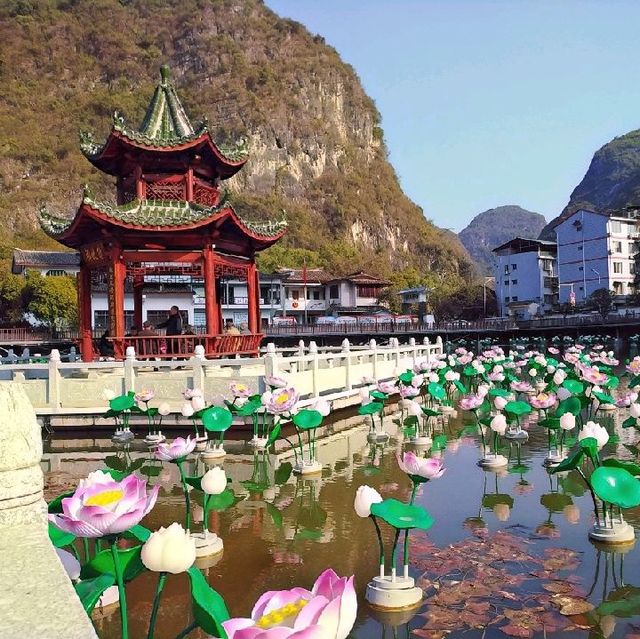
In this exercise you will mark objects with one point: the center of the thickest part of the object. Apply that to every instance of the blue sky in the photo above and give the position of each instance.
(485, 102)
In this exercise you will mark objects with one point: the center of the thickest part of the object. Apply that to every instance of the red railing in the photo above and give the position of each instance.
(178, 346)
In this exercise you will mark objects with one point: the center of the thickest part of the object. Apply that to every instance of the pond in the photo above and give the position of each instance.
(507, 554)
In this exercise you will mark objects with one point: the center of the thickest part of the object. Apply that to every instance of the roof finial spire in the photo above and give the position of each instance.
(165, 73)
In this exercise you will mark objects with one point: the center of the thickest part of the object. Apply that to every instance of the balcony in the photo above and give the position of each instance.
(551, 283)
(306, 305)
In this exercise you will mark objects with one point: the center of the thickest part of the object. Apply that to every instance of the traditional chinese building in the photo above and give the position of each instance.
(170, 217)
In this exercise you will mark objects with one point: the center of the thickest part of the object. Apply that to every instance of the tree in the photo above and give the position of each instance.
(602, 300)
(11, 298)
(53, 300)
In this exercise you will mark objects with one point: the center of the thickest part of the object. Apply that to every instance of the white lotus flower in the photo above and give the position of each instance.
(214, 481)
(365, 498)
(169, 550)
(599, 433)
(499, 424)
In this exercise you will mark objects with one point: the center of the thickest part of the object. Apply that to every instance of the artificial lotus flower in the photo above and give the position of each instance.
(599, 433)
(190, 393)
(465, 359)
(164, 409)
(365, 498)
(70, 564)
(627, 399)
(426, 467)
(502, 512)
(169, 549)
(187, 409)
(273, 381)
(408, 391)
(365, 396)
(500, 402)
(214, 481)
(559, 376)
(496, 376)
(388, 388)
(499, 424)
(328, 611)
(451, 376)
(571, 513)
(238, 389)
(198, 403)
(553, 350)
(179, 448)
(563, 393)
(593, 376)
(282, 400)
(145, 395)
(568, 421)
(533, 372)
(103, 506)
(521, 386)
(415, 409)
(482, 390)
(634, 409)
(470, 402)
(421, 366)
(322, 406)
(633, 366)
(542, 401)
(417, 381)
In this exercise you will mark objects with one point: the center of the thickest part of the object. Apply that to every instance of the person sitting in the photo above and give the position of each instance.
(244, 329)
(148, 330)
(230, 328)
(188, 330)
(105, 347)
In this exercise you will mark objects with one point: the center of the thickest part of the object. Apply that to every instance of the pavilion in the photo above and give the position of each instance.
(171, 218)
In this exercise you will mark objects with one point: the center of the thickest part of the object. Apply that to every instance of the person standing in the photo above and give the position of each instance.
(173, 326)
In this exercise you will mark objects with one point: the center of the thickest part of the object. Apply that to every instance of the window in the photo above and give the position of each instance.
(295, 294)
(101, 320)
(199, 317)
(506, 269)
(579, 247)
(616, 227)
(55, 272)
(368, 291)
(514, 267)
(581, 268)
(617, 247)
(514, 298)
(514, 282)
(617, 267)
(632, 268)
(506, 299)
(270, 294)
(334, 292)
(618, 288)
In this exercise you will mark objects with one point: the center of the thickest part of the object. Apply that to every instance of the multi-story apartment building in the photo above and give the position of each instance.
(596, 250)
(526, 277)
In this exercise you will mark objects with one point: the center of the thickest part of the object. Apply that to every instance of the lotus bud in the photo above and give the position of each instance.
(214, 481)
(169, 550)
(533, 372)
(568, 421)
(365, 498)
(197, 403)
(500, 403)
(499, 424)
(635, 410)
(415, 409)
(187, 409)
(164, 409)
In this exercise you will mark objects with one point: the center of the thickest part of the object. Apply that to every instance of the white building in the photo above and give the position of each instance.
(596, 250)
(526, 277)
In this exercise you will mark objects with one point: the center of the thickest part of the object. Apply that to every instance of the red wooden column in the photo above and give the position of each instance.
(253, 295)
(117, 273)
(138, 283)
(211, 302)
(84, 313)
(190, 184)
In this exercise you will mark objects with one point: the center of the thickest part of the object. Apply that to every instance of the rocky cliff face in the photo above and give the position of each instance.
(317, 149)
(491, 228)
(611, 182)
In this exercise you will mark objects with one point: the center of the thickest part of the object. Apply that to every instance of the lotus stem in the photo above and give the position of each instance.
(188, 630)
(121, 591)
(593, 495)
(156, 604)
(85, 548)
(413, 492)
(187, 497)
(405, 557)
(393, 552)
(380, 542)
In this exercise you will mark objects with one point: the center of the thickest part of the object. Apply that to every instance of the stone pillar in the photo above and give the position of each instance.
(38, 600)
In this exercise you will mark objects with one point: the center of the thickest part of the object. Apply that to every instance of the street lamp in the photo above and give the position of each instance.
(484, 294)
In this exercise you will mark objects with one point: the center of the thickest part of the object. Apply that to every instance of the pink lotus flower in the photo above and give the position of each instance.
(521, 387)
(177, 449)
(553, 350)
(388, 388)
(465, 359)
(633, 366)
(238, 389)
(408, 391)
(190, 393)
(593, 376)
(470, 402)
(274, 381)
(328, 611)
(281, 401)
(543, 401)
(102, 506)
(627, 399)
(145, 396)
(496, 376)
(426, 467)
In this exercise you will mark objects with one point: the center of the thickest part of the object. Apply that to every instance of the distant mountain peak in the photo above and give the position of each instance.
(496, 226)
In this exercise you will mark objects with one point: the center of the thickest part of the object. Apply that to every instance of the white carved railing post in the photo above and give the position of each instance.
(53, 399)
(439, 348)
(271, 360)
(346, 349)
(374, 358)
(396, 352)
(197, 364)
(129, 369)
(315, 382)
(301, 353)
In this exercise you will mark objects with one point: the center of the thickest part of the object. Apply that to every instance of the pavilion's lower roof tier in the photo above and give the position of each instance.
(162, 224)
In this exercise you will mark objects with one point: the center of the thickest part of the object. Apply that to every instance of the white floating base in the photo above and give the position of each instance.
(207, 543)
(421, 441)
(378, 436)
(154, 439)
(201, 443)
(517, 435)
(211, 453)
(393, 594)
(122, 436)
(553, 459)
(307, 468)
(493, 461)
(618, 533)
(109, 597)
(607, 407)
(258, 442)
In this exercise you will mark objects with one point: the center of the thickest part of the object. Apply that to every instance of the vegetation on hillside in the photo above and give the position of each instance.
(317, 150)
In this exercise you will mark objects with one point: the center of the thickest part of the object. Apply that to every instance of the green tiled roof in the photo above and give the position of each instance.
(165, 124)
(155, 214)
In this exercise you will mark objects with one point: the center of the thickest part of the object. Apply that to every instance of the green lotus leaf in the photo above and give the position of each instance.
(378, 395)
(89, 591)
(518, 408)
(573, 386)
(224, 500)
(402, 516)
(282, 474)
(519, 469)
(570, 405)
(307, 419)
(499, 392)
(308, 535)
(634, 381)
(630, 467)
(123, 402)
(439, 442)
(603, 398)
(102, 564)
(217, 419)
(274, 434)
(275, 514)
(590, 446)
(612, 382)
(60, 538)
(491, 500)
(621, 602)
(55, 505)
(429, 412)
(459, 385)
(411, 421)
(371, 408)
(436, 390)
(406, 377)
(248, 408)
(616, 486)
(470, 371)
(552, 423)
(555, 502)
(137, 532)
(209, 609)
(630, 422)
(570, 463)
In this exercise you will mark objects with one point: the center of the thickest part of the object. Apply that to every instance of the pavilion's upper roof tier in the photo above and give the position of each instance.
(176, 223)
(166, 131)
